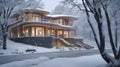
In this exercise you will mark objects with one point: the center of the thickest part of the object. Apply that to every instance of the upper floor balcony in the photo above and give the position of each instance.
(36, 16)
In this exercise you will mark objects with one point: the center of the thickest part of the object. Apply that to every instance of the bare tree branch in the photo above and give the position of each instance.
(88, 19)
(109, 31)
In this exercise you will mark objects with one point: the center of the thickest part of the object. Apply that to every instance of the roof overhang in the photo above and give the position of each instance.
(71, 17)
(43, 23)
(38, 11)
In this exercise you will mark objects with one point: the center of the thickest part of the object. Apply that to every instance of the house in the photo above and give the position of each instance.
(41, 29)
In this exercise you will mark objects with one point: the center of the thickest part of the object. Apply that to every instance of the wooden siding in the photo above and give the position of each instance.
(32, 30)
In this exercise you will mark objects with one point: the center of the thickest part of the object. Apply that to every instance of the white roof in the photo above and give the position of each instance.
(36, 9)
(44, 22)
(62, 15)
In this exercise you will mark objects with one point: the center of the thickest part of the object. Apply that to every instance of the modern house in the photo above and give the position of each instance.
(41, 29)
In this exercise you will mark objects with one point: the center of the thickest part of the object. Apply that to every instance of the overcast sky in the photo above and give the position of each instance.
(50, 4)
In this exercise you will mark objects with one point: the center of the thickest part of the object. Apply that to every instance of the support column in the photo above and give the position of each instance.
(68, 33)
(34, 31)
(45, 31)
(62, 33)
(56, 33)
(29, 31)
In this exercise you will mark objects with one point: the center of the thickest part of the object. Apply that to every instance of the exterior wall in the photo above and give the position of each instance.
(33, 30)
(47, 42)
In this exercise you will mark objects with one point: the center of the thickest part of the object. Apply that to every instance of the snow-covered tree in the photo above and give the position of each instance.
(7, 9)
(34, 4)
(102, 28)
(63, 9)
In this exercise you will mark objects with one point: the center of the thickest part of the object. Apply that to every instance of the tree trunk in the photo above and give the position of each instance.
(4, 42)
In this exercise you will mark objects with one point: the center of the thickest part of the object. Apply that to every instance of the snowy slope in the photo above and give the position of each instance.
(93, 43)
(26, 63)
(19, 48)
(14, 48)
(90, 42)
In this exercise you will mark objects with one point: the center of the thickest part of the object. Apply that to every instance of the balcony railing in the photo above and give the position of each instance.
(47, 22)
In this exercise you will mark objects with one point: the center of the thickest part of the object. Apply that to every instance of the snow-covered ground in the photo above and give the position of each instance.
(14, 48)
(90, 42)
(85, 61)
(93, 43)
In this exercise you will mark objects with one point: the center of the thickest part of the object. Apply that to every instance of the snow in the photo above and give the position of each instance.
(90, 42)
(46, 23)
(14, 48)
(25, 63)
(62, 15)
(93, 43)
(85, 61)
(39, 9)
(19, 48)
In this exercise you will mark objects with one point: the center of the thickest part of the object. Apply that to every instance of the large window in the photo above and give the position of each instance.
(33, 31)
(63, 33)
(50, 32)
(39, 31)
(34, 17)
(26, 31)
(60, 21)
(65, 22)
(59, 33)
(66, 34)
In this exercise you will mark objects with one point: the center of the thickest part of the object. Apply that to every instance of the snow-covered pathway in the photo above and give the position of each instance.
(61, 54)
(85, 61)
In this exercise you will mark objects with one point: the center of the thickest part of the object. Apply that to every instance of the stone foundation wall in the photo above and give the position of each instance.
(47, 42)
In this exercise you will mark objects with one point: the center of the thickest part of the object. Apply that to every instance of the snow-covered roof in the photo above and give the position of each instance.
(37, 10)
(63, 16)
(44, 23)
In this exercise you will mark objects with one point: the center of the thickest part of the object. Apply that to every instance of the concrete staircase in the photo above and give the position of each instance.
(64, 42)
(73, 42)
(83, 45)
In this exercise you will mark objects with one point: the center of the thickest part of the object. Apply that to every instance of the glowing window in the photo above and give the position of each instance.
(33, 31)
(39, 31)
(66, 33)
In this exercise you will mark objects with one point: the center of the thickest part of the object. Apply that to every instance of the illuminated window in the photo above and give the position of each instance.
(48, 32)
(33, 31)
(59, 33)
(39, 31)
(65, 22)
(26, 31)
(61, 21)
(66, 33)
(34, 17)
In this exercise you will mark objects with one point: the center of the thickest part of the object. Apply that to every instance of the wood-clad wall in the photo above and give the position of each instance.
(23, 31)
